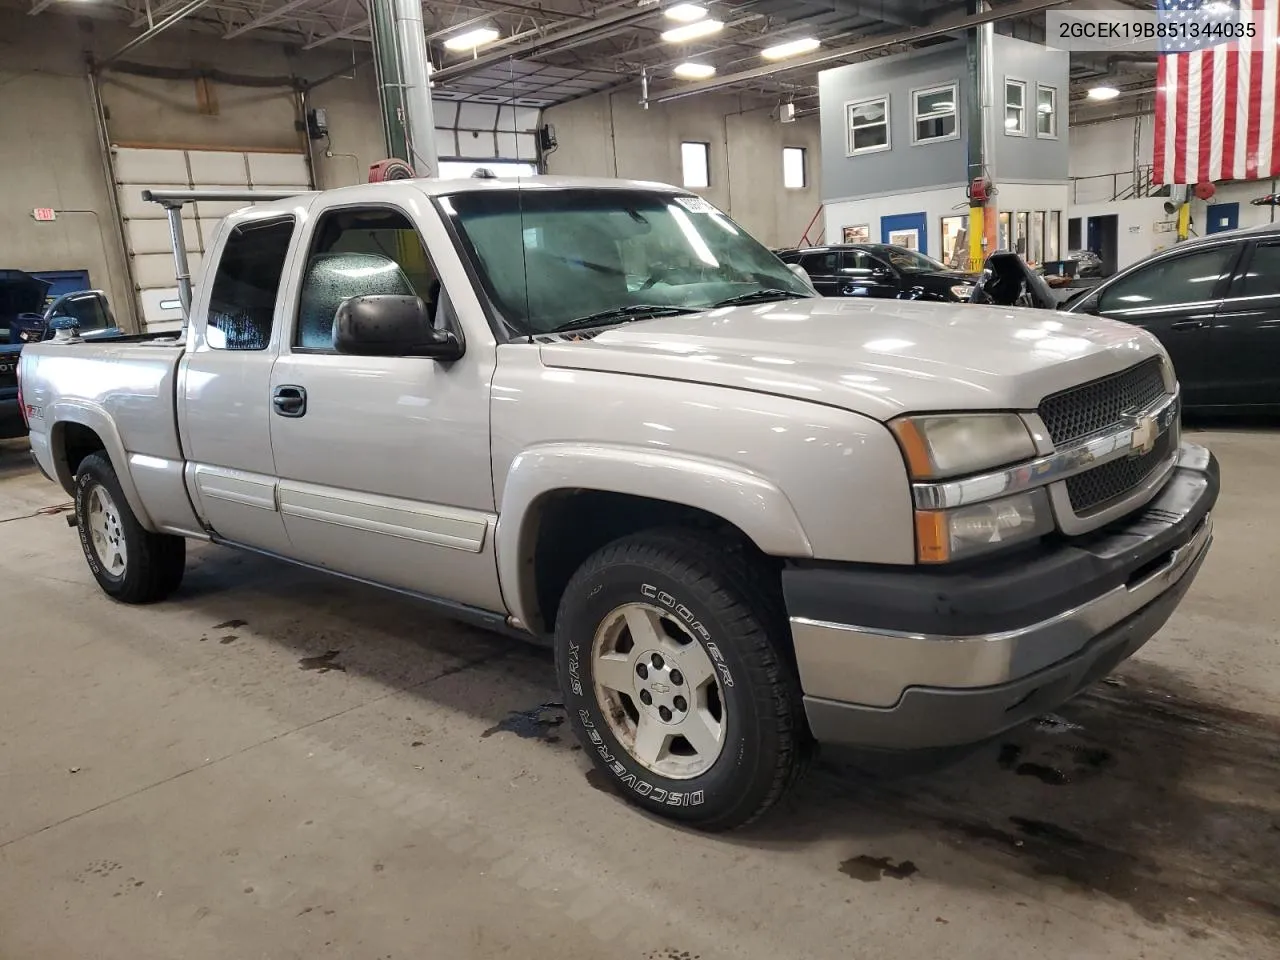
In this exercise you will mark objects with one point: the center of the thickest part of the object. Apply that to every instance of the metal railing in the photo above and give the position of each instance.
(1122, 185)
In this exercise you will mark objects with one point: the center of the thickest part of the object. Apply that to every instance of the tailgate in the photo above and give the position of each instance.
(9, 370)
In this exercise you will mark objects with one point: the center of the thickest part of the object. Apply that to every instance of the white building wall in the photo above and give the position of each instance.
(934, 204)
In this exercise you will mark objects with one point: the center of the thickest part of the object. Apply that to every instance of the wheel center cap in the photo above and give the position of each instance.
(659, 687)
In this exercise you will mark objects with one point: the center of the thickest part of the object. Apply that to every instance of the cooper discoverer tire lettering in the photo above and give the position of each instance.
(131, 564)
(671, 654)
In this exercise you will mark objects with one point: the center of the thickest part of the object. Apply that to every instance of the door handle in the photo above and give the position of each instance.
(289, 401)
(1188, 325)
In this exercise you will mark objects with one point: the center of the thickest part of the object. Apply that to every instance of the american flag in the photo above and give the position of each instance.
(1216, 100)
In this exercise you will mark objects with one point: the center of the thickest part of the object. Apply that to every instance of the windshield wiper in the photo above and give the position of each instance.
(635, 311)
(760, 296)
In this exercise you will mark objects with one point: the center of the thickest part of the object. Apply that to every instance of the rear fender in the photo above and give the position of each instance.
(93, 416)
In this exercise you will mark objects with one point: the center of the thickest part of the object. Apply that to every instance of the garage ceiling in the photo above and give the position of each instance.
(552, 51)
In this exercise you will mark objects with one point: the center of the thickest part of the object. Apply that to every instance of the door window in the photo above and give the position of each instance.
(357, 253)
(1172, 281)
(1262, 279)
(819, 264)
(242, 301)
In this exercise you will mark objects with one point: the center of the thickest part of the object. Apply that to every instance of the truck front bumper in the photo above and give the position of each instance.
(920, 657)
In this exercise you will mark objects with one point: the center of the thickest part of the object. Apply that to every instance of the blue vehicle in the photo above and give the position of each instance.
(24, 318)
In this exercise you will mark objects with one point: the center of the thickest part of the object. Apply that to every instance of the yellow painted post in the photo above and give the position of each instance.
(1184, 221)
(977, 230)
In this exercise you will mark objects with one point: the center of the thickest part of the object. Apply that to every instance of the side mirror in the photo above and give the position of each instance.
(803, 274)
(89, 308)
(391, 326)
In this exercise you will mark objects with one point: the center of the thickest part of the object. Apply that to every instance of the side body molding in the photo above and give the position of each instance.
(750, 502)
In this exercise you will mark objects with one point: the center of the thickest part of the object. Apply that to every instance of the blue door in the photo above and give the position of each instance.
(1222, 216)
(898, 229)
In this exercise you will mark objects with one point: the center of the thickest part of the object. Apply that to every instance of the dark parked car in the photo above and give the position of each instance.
(1213, 302)
(25, 319)
(879, 270)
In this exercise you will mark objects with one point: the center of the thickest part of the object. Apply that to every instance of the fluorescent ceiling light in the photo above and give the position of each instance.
(694, 71)
(1103, 93)
(692, 31)
(685, 12)
(1010, 123)
(1045, 108)
(472, 39)
(790, 49)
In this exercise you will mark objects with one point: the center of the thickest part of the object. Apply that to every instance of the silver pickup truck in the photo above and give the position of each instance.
(599, 413)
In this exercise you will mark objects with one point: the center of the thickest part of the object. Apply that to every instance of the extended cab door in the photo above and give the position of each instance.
(1244, 344)
(1175, 298)
(224, 383)
(384, 469)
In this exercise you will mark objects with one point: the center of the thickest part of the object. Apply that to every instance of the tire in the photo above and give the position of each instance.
(150, 566)
(704, 611)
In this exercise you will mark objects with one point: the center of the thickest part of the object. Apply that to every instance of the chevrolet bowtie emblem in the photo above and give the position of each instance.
(1145, 433)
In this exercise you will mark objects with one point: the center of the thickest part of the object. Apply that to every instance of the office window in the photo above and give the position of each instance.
(868, 122)
(1022, 229)
(935, 114)
(242, 302)
(695, 162)
(1004, 241)
(1015, 108)
(793, 168)
(1053, 250)
(1035, 243)
(955, 242)
(1046, 111)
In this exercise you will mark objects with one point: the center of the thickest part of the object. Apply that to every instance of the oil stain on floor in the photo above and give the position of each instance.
(538, 723)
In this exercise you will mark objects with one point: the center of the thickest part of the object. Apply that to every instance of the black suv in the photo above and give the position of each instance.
(879, 270)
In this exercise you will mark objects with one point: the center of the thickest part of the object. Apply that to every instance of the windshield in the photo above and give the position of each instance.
(548, 257)
(909, 261)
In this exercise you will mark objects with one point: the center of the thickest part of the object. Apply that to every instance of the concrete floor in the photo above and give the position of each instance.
(275, 764)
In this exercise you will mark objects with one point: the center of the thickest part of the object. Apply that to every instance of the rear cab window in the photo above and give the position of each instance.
(242, 300)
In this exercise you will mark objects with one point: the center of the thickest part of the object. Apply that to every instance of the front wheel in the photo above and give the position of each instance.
(676, 678)
(130, 563)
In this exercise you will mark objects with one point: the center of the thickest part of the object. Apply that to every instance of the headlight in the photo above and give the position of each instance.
(961, 291)
(946, 535)
(939, 446)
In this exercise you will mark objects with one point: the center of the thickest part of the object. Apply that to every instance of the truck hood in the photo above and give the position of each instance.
(878, 358)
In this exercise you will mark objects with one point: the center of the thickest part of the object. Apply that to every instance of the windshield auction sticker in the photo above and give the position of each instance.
(696, 205)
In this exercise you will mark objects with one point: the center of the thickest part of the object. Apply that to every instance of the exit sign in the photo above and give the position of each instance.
(44, 214)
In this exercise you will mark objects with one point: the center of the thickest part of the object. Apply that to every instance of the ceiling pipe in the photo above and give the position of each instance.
(936, 28)
(159, 28)
(630, 14)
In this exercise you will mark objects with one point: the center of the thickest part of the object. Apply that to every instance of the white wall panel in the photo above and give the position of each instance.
(477, 116)
(152, 236)
(472, 143)
(150, 166)
(217, 168)
(286, 168)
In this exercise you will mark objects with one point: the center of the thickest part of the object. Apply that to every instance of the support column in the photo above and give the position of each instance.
(404, 92)
(979, 47)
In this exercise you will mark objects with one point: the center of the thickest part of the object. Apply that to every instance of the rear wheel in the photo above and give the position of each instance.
(673, 660)
(130, 563)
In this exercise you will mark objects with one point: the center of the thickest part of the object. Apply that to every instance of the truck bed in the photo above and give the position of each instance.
(130, 379)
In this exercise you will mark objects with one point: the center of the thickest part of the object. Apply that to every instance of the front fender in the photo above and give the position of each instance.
(91, 415)
(750, 502)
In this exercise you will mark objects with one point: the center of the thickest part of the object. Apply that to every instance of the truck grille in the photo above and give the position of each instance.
(1097, 488)
(1080, 411)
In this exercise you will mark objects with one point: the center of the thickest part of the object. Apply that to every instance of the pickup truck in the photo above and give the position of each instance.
(598, 413)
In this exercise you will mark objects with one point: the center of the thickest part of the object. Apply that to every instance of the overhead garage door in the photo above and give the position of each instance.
(146, 228)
